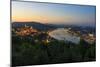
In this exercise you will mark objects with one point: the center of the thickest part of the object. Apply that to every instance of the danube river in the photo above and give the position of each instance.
(63, 34)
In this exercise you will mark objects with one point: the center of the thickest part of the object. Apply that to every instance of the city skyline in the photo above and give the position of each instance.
(53, 13)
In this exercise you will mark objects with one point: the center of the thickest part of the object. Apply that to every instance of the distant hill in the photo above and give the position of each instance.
(35, 25)
(46, 27)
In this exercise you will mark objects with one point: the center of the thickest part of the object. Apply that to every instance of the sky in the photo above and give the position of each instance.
(53, 13)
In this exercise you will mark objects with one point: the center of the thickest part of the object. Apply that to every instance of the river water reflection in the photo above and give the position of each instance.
(63, 34)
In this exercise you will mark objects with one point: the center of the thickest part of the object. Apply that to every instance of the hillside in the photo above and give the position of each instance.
(36, 25)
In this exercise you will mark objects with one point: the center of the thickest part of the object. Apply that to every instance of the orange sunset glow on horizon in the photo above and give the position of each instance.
(52, 13)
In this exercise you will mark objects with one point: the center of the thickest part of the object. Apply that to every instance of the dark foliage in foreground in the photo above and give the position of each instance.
(28, 52)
